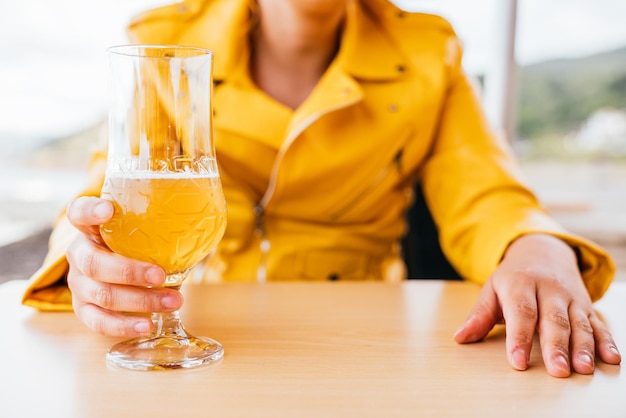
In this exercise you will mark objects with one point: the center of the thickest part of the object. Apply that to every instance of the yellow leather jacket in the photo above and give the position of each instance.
(322, 191)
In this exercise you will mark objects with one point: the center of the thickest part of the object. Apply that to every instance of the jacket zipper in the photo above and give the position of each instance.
(264, 243)
(259, 208)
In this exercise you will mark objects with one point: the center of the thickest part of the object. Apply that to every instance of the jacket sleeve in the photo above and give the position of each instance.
(47, 288)
(478, 198)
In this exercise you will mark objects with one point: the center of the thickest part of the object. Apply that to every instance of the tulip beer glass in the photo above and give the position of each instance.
(163, 180)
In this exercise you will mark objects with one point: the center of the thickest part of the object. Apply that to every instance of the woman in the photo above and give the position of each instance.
(326, 111)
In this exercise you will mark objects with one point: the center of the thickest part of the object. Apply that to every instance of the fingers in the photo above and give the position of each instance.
(97, 305)
(515, 305)
(606, 348)
(554, 336)
(88, 213)
(582, 341)
(519, 304)
(570, 333)
(104, 283)
(540, 289)
(572, 337)
(121, 298)
(99, 263)
(484, 315)
(112, 324)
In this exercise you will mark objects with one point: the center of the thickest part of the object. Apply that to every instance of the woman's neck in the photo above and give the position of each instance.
(293, 44)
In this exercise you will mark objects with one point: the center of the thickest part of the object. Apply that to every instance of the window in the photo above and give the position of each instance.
(568, 119)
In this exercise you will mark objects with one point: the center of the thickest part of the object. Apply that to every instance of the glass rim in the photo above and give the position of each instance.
(124, 50)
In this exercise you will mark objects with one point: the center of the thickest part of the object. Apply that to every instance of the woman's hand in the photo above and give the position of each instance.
(105, 284)
(538, 288)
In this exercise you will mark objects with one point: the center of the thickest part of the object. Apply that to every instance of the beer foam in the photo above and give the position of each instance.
(147, 174)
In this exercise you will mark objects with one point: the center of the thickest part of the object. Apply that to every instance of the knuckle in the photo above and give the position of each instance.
(89, 264)
(526, 310)
(91, 320)
(75, 210)
(103, 296)
(98, 324)
(104, 326)
(561, 348)
(98, 321)
(86, 261)
(70, 278)
(72, 249)
(70, 210)
(524, 338)
(560, 319)
(598, 326)
(126, 272)
(584, 326)
(117, 328)
(603, 336)
(78, 308)
(553, 281)
(147, 303)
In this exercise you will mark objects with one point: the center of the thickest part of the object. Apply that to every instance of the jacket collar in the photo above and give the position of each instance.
(223, 27)
(367, 51)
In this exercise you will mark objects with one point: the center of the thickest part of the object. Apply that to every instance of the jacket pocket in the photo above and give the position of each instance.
(336, 265)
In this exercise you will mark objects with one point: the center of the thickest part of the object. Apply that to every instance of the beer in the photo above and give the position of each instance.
(170, 219)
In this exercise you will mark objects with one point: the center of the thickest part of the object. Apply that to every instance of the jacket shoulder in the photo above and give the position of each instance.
(423, 22)
(419, 34)
(164, 23)
(399, 19)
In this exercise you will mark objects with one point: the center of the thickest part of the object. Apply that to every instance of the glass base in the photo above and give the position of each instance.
(165, 352)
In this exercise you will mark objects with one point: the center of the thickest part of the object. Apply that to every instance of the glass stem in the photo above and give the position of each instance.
(168, 324)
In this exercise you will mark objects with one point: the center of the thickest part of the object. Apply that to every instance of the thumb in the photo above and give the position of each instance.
(485, 314)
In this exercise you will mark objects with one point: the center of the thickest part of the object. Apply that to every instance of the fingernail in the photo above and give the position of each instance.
(169, 302)
(519, 359)
(460, 329)
(586, 359)
(154, 275)
(561, 363)
(103, 210)
(142, 327)
(614, 350)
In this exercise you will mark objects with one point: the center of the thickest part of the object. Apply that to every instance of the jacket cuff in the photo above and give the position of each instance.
(595, 264)
(47, 289)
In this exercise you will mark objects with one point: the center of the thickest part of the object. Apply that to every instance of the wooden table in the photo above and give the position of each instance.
(302, 350)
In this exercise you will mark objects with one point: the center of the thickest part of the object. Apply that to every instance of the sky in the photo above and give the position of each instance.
(546, 29)
(53, 70)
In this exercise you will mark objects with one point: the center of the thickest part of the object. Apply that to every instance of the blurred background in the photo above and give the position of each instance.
(553, 77)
